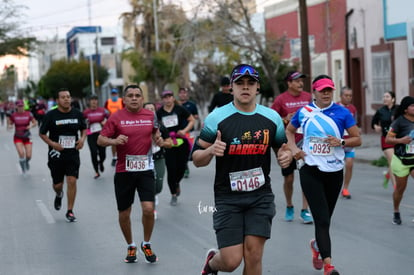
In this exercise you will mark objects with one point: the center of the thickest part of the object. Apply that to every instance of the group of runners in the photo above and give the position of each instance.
(308, 132)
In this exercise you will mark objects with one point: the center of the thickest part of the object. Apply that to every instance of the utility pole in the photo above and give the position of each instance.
(304, 37)
(90, 56)
(157, 44)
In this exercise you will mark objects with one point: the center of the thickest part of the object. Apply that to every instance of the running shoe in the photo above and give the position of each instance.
(207, 269)
(186, 173)
(397, 218)
(346, 194)
(289, 213)
(386, 179)
(132, 254)
(173, 201)
(306, 216)
(70, 217)
(23, 165)
(113, 163)
(58, 201)
(150, 257)
(97, 175)
(330, 270)
(156, 200)
(316, 260)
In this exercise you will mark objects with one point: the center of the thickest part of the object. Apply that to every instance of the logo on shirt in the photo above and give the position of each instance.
(250, 143)
(296, 104)
(67, 121)
(140, 122)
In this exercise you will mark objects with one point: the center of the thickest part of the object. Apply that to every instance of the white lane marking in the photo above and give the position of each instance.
(45, 212)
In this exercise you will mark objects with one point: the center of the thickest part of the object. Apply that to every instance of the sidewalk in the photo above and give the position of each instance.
(370, 149)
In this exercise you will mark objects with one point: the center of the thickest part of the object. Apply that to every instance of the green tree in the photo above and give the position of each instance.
(12, 41)
(157, 60)
(226, 37)
(74, 75)
(235, 26)
(7, 82)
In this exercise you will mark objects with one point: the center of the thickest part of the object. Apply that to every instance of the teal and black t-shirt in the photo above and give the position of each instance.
(249, 138)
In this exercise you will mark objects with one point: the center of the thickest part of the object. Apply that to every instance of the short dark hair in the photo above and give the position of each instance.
(61, 90)
(225, 81)
(93, 97)
(133, 86)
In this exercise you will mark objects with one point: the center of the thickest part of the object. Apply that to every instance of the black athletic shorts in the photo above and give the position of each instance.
(67, 165)
(240, 215)
(127, 182)
(290, 169)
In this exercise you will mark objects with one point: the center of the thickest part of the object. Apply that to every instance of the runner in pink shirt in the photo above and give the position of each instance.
(95, 117)
(286, 104)
(345, 100)
(132, 130)
(22, 121)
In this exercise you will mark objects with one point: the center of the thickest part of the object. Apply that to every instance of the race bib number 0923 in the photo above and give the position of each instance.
(319, 147)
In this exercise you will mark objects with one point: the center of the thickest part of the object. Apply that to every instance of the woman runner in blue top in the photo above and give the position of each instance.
(321, 161)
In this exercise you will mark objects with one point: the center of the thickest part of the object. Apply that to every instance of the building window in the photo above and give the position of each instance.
(108, 41)
(381, 74)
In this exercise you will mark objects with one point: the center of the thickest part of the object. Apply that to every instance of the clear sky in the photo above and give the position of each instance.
(48, 18)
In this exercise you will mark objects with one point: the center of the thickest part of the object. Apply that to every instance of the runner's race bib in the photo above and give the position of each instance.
(135, 163)
(95, 127)
(67, 142)
(170, 121)
(247, 180)
(318, 146)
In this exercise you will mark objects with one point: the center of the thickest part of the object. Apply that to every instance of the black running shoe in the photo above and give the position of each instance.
(101, 166)
(23, 166)
(58, 201)
(113, 163)
(397, 218)
(132, 255)
(150, 257)
(70, 217)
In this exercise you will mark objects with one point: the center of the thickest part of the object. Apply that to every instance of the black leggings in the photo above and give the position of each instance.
(321, 189)
(96, 150)
(176, 162)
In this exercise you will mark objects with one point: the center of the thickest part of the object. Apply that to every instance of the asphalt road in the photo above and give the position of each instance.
(36, 239)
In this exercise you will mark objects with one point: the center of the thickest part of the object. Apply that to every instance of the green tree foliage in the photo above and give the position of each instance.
(74, 75)
(163, 62)
(158, 68)
(234, 24)
(12, 41)
(7, 82)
